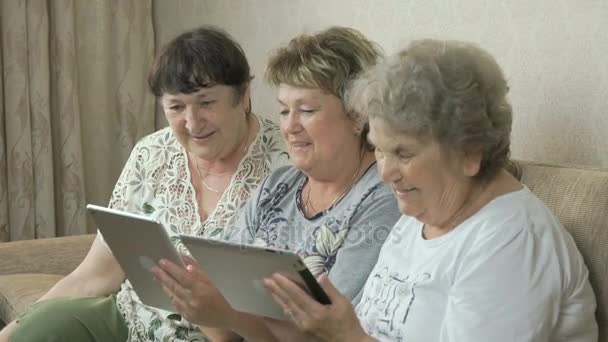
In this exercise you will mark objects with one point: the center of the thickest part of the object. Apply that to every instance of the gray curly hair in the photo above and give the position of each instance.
(453, 92)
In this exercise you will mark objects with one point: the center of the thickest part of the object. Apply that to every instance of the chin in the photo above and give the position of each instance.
(202, 152)
(407, 210)
(299, 164)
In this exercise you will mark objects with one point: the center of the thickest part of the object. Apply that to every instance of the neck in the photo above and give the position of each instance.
(340, 177)
(321, 195)
(477, 198)
(229, 163)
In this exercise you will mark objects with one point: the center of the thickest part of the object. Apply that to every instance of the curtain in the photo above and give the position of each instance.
(73, 102)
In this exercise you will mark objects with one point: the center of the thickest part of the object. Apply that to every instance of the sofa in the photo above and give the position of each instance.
(577, 195)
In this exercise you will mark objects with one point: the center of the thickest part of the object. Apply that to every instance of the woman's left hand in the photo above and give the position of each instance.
(334, 322)
(193, 294)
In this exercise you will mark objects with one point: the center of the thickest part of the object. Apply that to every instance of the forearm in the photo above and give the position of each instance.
(78, 287)
(99, 274)
(219, 335)
(251, 327)
(6, 332)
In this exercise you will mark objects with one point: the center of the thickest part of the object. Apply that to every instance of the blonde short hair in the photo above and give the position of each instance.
(327, 60)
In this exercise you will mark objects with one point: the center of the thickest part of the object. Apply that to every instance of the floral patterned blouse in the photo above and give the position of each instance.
(156, 182)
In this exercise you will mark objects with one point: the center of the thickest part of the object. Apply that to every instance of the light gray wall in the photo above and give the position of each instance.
(553, 52)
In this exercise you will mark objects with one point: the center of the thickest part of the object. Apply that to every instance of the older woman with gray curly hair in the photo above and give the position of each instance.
(476, 255)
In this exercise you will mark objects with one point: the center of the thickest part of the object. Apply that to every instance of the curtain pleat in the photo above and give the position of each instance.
(73, 102)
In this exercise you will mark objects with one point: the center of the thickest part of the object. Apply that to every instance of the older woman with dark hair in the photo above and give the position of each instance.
(476, 255)
(193, 177)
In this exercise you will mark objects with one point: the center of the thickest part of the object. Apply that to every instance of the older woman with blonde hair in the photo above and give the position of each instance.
(476, 255)
(330, 207)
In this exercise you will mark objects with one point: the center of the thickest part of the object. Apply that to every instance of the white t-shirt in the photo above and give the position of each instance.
(511, 272)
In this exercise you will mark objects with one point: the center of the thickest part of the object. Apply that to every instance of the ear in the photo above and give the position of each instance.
(245, 99)
(471, 163)
(358, 122)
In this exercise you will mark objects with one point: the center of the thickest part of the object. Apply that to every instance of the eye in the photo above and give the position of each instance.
(308, 111)
(284, 112)
(404, 156)
(175, 108)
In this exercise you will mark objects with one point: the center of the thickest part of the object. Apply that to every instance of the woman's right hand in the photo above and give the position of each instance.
(193, 294)
(334, 322)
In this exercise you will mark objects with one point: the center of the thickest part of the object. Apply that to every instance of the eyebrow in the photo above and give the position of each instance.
(202, 95)
(300, 101)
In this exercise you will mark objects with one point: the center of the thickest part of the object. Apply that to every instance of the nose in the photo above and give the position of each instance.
(290, 123)
(194, 121)
(389, 169)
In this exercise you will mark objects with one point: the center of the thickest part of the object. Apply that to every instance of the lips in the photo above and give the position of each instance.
(299, 144)
(404, 191)
(203, 136)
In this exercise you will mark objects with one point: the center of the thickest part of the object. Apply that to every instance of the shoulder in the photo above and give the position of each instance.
(161, 139)
(269, 130)
(520, 226)
(271, 143)
(268, 126)
(519, 212)
(164, 135)
(287, 175)
(371, 189)
(155, 149)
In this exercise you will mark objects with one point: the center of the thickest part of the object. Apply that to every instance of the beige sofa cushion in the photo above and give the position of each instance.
(18, 291)
(579, 198)
(29, 268)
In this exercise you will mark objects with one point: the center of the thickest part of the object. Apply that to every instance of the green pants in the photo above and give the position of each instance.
(67, 319)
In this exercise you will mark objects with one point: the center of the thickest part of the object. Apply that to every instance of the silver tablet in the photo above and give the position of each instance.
(238, 270)
(138, 243)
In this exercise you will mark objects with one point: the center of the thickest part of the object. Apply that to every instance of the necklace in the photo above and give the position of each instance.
(308, 203)
(200, 176)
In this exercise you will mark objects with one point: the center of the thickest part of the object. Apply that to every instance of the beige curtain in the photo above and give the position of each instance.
(73, 102)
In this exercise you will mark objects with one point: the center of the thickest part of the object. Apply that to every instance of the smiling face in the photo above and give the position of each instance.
(430, 182)
(316, 129)
(210, 123)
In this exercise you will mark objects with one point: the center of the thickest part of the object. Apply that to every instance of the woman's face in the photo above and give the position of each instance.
(429, 183)
(210, 123)
(316, 129)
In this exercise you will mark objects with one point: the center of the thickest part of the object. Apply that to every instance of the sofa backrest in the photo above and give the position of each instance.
(578, 196)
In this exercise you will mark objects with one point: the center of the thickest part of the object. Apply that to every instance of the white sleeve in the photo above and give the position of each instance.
(508, 289)
(120, 196)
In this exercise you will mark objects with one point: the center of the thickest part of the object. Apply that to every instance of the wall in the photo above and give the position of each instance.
(551, 51)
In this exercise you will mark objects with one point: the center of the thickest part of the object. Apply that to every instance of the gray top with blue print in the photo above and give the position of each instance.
(343, 241)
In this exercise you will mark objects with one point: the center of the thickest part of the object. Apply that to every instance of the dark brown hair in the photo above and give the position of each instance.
(199, 58)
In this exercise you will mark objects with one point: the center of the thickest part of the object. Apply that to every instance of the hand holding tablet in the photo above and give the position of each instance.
(238, 272)
(138, 243)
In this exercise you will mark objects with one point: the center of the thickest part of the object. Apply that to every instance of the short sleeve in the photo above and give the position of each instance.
(119, 198)
(508, 289)
(368, 230)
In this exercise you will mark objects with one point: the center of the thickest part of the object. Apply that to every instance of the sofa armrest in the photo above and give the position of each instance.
(51, 256)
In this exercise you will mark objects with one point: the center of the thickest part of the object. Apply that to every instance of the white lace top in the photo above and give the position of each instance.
(156, 182)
